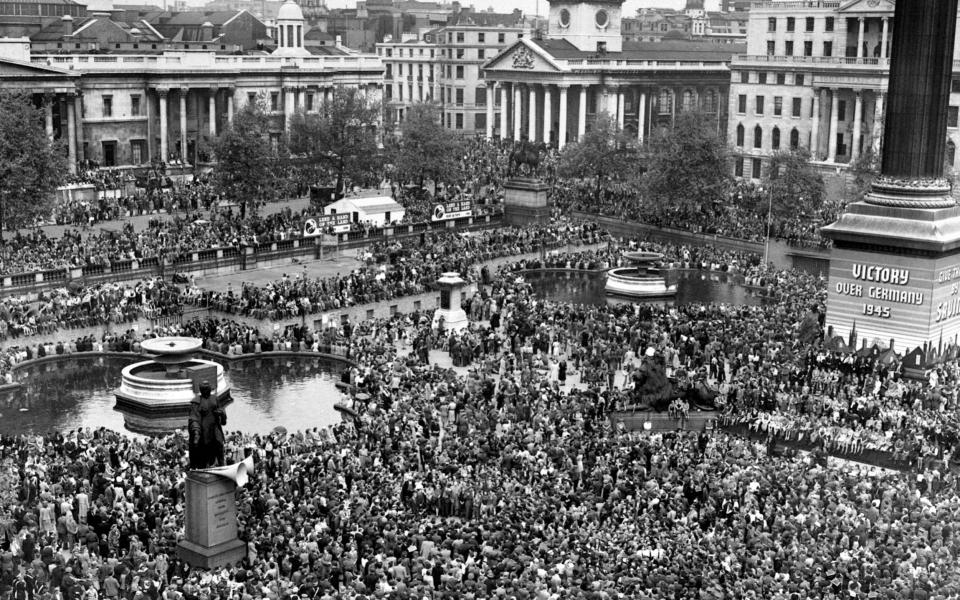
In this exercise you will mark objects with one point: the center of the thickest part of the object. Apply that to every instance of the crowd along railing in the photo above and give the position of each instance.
(227, 258)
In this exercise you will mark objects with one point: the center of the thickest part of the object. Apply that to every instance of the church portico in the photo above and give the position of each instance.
(553, 88)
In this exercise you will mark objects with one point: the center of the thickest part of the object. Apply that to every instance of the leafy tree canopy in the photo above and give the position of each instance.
(687, 167)
(246, 159)
(31, 165)
(342, 136)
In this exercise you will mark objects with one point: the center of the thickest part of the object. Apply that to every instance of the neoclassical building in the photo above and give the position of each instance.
(815, 76)
(550, 89)
(129, 109)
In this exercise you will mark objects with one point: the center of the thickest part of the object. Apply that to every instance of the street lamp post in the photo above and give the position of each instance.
(766, 247)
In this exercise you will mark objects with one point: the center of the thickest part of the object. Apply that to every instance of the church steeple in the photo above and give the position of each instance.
(590, 25)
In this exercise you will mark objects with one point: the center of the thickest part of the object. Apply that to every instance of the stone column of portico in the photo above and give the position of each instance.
(532, 113)
(302, 99)
(621, 105)
(212, 110)
(162, 94)
(834, 123)
(230, 93)
(183, 124)
(547, 114)
(860, 37)
(71, 134)
(857, 126)
(877, 132)
(287, 107)
(815, 126)
(491, 96)
(48, 115)
(517, 112)
(504, 111)
(582, 117)
(78, 126)
(603, 101)
(642, 117)
(883, 38)
(562, 133)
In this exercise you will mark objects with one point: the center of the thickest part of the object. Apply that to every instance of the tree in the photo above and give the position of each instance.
(796, 189)
(864, 170)
(604, 151)
(687, 170)
(426, 149)
(342, 136)
(31, 165)
(244, 172)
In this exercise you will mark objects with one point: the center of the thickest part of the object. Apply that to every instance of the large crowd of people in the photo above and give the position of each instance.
(500, 475)
(500, 478)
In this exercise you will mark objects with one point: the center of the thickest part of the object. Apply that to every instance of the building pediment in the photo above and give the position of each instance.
(15, 69)
(854, 7)
(523, 57)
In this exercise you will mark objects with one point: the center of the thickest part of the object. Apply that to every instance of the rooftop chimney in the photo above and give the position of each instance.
(67, 24)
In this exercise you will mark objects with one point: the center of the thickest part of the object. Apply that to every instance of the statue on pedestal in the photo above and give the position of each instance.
(205, 426)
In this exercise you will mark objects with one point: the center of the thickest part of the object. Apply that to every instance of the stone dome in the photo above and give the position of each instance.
(290, 11)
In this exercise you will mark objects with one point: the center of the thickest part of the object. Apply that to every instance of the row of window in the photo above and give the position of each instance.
(809, 24)
(762, 77)
(789, 49)
(388, 70)
(459, 37)
(388, 52)
(774, 137)
(796, 106)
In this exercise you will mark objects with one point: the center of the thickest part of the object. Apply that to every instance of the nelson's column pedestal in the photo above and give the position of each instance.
(895, 264)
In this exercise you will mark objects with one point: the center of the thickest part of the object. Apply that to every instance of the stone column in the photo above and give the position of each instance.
(532, 113)
(302, 100)
(212, 109)
(183, 124)
(562, 133)
(78, 126)
(834, 122)
(884, 37)
(491, 96)
(517, 112)
(860, 38)
(504, 111)
(230, 93)
(287, 107)
(547, 114)
(815, 126)
(642, 117)
(603, 101)
(914, 140)
(582, 117)
(877, 132)
(71, 134)
(621, 104)
(673, 107)
(857, 125)
(164, 155)
(48, 115)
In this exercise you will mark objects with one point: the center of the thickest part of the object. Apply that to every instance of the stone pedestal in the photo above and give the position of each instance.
(210, 522)
(453, 315)
(525, 201)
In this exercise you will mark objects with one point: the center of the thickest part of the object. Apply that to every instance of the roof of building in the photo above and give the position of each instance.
(198, 18)
(668, 50)
(372, 204)
(290, 11)
(90, 28)
(485, 19)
